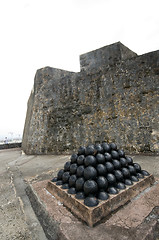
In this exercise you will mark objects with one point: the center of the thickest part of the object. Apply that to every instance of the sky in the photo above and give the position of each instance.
(39, 33)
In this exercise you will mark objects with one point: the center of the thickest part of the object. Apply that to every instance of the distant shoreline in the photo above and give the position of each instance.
(10, 145)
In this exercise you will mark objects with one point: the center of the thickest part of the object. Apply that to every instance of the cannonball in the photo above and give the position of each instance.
(80, 171)
(129, 160)
(106, 147)
(119, 175)
(91, 201)
(99, 148)
(90, 150)
(54, 179)
(65, 177)
(59, 182)
(112, 190)
(59, 174)
(67, 166)
(102, 195)
(80, 195)
(79, 184)
(113, 146)
(139, 175)
(108, 157)
(109, 167)
(81, 150)
(121, 153)
(123, 162)
(80, 160)
(111, 179)
(134, 178)
(73, 168)
(132, 170)
(117, 164)
(90, 161)
(74, 158)
(100, 158)
(115, 154)
(65, 186)
(120, 185)
(90, 173)
(72, 180)
(72, 190)
(125, 172)
(90, 187)
(101, 169)
(128, 182)
(137, 167)
(102, 183)
(145, 173)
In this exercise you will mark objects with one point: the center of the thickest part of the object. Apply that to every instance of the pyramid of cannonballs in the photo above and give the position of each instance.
(97, 171)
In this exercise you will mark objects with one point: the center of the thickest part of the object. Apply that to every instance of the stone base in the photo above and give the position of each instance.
(92, 215)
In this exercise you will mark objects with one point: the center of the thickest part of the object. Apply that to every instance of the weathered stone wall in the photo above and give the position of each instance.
(116, 101)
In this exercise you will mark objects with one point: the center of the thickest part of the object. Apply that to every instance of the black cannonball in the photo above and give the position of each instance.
(134, 178)
(101, 169)
(65, 177)
(117, 164)
(128, 182)
(121, 153)
(137, 167)
(125, 172)
(59, 182)
(67, 166)
(54, 179)
(80, 171)
(91, 201)
(90, 150)
(145, 173)
(115, 154)
(129, 160)
(80, 195)
(119, 175)
(60, 173)
(73, 168)
(100, 158)
(106, 147)
(123, 162)
(102, 183)
(140, 175)
(65, 186)
(108, 157)
(113, 146)
(99, 148)
(79, 184)
(81, 150)
(80, 160)
(120, 185)
(109, 166)
(111, 179)
(90, 187)
(90, 173)
(74, 158)
(112, 190)
(90, 161)
(132, 170)
(102, 195)
(72, 180)
(72, 190)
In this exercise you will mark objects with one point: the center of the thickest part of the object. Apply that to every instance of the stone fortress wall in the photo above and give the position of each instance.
(114, 98)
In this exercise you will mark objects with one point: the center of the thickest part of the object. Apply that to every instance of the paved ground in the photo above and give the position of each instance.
(17, 218)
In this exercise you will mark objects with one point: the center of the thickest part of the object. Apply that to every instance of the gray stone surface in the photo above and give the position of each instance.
(113, 99)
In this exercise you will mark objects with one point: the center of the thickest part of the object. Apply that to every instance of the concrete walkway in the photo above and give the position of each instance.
(17, 218)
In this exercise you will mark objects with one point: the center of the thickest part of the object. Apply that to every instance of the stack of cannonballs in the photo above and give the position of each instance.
(97, 171)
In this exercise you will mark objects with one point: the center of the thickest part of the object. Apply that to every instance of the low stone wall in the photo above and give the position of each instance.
(114, 99)
(10, 145)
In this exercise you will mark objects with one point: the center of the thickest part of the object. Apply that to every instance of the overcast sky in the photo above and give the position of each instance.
(39, 33)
